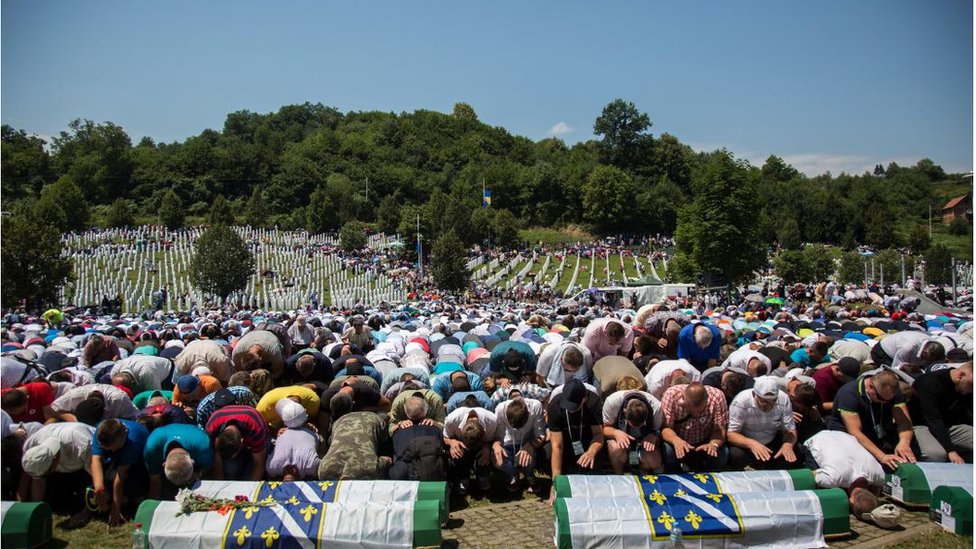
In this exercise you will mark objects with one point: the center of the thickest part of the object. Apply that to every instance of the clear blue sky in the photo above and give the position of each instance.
(828, 85)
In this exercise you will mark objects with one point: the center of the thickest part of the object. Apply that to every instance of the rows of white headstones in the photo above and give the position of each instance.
(292, 269)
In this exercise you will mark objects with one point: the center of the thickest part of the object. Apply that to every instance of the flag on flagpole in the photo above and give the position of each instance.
(486, 199)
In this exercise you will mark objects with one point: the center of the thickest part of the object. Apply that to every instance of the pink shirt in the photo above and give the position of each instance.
(595, 339)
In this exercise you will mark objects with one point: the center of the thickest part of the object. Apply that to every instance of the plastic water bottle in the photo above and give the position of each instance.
(676, 538)
(138, 537)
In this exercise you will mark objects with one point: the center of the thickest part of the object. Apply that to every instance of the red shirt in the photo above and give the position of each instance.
(254, 431)
(827, 384)
(39, 395)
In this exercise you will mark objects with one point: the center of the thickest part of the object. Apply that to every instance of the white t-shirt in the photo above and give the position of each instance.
(75, 440)
(842, 460)
(615, 401)
(117, 403)
(11, 372)
(456, 419)
(746, 418)
(534, 428)
(149, 371)
(741, 357)
(659, 378)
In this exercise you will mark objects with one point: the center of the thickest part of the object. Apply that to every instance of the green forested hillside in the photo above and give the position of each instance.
(307, 166)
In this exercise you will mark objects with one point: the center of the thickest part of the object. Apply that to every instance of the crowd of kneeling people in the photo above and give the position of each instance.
(111, 411)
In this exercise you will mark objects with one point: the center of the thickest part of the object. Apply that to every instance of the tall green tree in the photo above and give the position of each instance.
(788, 234)
(716, 232)
(26, 166)
(792, 266)
(449, 262)
(938, 265)
(505, 228)
(624, 132)
(388, 215)
(96, 157)
(33, 268)
(851, 268)
(220, 212)
(320, 216)
(255, 213)
(221, 263)
(352, 236)
(608, 197)
(72, 202)
(171, 210)
(121, 213)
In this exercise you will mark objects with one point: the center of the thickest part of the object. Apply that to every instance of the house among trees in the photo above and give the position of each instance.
(960, 206)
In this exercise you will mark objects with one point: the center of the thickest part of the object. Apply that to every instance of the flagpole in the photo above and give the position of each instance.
(420, 251)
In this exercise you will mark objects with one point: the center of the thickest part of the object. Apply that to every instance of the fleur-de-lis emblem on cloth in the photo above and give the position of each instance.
(242, 534)
(701, 477)
(693, 519)
(651, 479)
(717, 498)
(667, 520)
(269, 536)
(657, 497)
(308, 511)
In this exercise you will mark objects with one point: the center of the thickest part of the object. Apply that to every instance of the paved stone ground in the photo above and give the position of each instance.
(530, 523)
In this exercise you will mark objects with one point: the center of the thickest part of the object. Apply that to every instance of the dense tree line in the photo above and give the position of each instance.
(306, 166)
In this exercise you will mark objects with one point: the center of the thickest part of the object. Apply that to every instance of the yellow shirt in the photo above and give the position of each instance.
(308, 398)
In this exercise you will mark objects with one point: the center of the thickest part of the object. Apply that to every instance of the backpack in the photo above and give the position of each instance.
(424, 457)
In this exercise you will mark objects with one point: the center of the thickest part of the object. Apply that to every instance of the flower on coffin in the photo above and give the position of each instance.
(242, 534)
(701, 477)
(224, 509)
(269, 536)
(667, 520)
(651, 479)
(693, 519)
(240, 498)
(308, 511)
(658, 498)
(191, 502)
(717, 498)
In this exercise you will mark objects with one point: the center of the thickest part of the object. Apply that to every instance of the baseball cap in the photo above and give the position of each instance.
(292, 414)
(766, 388)
(884, 516)
(38, 459)
(850, 368)
(187, 384)
(797, 374)
(574, 392)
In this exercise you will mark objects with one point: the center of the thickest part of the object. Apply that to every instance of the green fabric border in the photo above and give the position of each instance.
(564, 537)
(802, 479)
(962, 507)
(426, 523)
(836, 511)
(435, 491)
(144, 515)
(916, 489)
(26, 525)
(562, 486)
